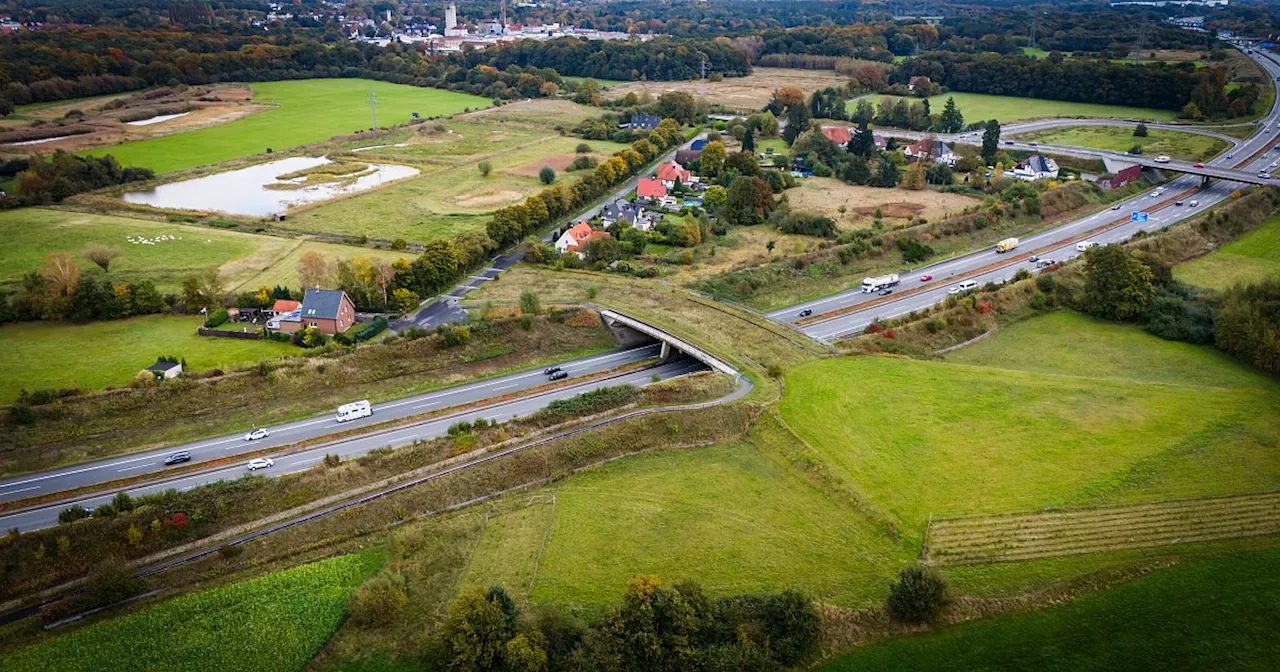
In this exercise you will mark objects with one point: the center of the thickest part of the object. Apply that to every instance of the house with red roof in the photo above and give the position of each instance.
(841, 135)
(283, 306)
(576, 238)
(671, 171)
(651, 188)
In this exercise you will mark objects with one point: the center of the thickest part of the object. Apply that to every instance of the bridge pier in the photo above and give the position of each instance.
(665, 354)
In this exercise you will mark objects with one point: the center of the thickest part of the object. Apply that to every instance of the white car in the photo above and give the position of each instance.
(261, 463)
(1162, 159)
(1085, 245)
(953, 290)
(256, 434)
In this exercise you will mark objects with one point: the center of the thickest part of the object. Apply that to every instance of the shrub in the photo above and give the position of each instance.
(913, 250)
(379, 600)
(529, 304)
(485, 168)
(917, 596)
(547, 175)
(216, 319)
(72, 514)
(582, 148)
(454, 335)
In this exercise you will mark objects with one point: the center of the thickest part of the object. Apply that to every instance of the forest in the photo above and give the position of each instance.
(661, 59)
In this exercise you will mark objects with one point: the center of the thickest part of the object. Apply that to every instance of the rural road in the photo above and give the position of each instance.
(1057, 243)
(127, 466)
(356, 446)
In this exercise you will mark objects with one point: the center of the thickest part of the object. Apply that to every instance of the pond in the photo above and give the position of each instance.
(249, 191)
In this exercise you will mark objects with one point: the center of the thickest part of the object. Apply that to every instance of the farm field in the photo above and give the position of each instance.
(1219, 613)
(276, 622)
(1059, 410)
(826, 195)
(746, 94)
(245, 260)
(305, 111)
(1253, 256)
(52, 354)
(1180, 146)
(979, 106)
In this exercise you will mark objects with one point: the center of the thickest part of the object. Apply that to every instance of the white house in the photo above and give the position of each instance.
(1036, 167)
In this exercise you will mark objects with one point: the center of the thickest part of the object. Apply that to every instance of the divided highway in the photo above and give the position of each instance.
(856, 309)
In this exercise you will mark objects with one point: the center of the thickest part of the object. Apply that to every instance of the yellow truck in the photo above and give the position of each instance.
(1006, 245)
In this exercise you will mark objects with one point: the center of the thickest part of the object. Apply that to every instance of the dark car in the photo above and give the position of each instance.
(559, 375)
(806, 312)
(181, 456)
(886, 291)
(551, 370)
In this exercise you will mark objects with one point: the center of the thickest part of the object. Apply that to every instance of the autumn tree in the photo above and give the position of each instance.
(1117, 284)
(102, 255)
(712, 159)
(313, 270)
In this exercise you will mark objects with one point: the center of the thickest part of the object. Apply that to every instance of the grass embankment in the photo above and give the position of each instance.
(980, 106)
(305, 111)
(93, 356)
(1054, 411)
(96, 426)
(276, 622)
(1252, 257)
(173, 251)
(1180, 146)
(1220, 613)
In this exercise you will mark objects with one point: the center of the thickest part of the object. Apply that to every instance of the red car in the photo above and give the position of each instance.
(926, 277)
(1199, 165)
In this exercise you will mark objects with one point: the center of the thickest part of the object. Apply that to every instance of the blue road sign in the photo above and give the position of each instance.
(1137, 216)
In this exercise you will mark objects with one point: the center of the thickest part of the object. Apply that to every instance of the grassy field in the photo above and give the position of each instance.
(979, 106)
(826, 195)
(245, 261)
(1181, 146)
(746, 94)
(306, 111)
(1059, 410)
(51, 354)
(274, 623)
(1215, 614)
(1252, 257)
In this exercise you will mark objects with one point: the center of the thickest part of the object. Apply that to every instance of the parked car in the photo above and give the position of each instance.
(180, 456)
(256, 434)
(550, 370)
(261, 463)
(806, 312)
(560, 375)
(926, 277)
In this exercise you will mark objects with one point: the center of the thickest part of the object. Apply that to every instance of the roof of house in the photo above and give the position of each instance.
(686, 156)
(1039, 163)
(670, 171)
(650, 188)
(322, 304)
(164, 366)
(841, 135)
(581, 234)
(645, 121)
(285, 306)
(698, 144)
(621, 209)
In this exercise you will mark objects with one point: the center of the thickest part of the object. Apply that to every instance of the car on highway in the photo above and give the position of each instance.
(1264, 174)
(550, 370)
(560, 375)
(1194, 203)
(1230, 155)
(261, 463)
(885, 292)
(1008, 142)
(1161, 159)
(1033, 258)
(953, 290)
(1116, 206)
(1199, 165)
(967, 285)
(256, 434)
(806, 312)
(1045, 262)
(926, 277)
(1034, 144)
(1085, 245)
(180, 456)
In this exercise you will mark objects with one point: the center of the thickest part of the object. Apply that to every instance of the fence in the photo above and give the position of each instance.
(219, 333)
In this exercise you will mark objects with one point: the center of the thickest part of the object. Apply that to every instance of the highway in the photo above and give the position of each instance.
(356, 446)
(1057, 243)
(152, 461)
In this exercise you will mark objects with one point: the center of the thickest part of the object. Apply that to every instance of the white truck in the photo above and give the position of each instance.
(876, 284)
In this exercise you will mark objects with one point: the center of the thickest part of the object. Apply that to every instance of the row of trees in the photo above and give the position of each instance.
(59, 291)
(65, 174)
(660, 59)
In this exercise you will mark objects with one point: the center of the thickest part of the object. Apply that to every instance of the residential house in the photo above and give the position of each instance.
(644, 122)
(930, 150)
(698, 145)
(1120, 173)
(1035, 167)
(329, 310)
(685, 157)
(165, 370)
(651, 189)
(620, 209)
(841, 135)
(574, 237)
(671, 171)
(284, 306)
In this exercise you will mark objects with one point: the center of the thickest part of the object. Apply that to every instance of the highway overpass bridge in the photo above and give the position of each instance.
(626, 327)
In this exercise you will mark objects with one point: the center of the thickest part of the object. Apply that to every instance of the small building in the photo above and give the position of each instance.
(931, 150)
(1035, 167)
(618, 210)
(841, 135)
(670, 172)
(1119, 174)
(644, 122)
(284, 306)
(686, 157)
(651, 189)
(165, 370)
(329, 310)
(573, 237)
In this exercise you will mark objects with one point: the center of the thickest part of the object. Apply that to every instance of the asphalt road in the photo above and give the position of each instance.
(359, 445)
(947, 273)
(103, 471)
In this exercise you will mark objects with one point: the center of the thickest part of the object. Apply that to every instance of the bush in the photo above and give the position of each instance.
(485, 168)
(72, 514)
(547, 175)
(582, 148)
(913, 250)
(808, 224)
(216, 319)
(453, 335)
(378, 601)
(368, 331)
(917, 596)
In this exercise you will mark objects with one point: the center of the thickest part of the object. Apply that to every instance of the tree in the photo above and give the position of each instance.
(749, 141)
(1140, 131)
(888, 174)
(714, 197)
(476, 631)
(485, 168)
(604, 249)
(991, 142)
(546, 175)
(770, 245)
(712, 159)
(379, 600)
(313, 270)
(521, 654)
(582, 148)
(749, 199)
(102, 255)
(857, 171)
(914, 179)
(917, 596)
(798, 117)
(951, 120)
(1247, 324)
(1117, 284)
(404, 300)
(529, 304)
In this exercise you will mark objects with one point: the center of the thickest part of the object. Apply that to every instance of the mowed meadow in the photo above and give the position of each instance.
(305, 111)
(983, 106)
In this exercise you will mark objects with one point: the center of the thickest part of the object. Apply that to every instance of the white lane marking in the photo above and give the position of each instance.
(34, 487)
(140, 466)
(506, 387)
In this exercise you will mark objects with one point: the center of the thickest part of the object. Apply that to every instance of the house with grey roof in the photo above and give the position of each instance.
(329, 310)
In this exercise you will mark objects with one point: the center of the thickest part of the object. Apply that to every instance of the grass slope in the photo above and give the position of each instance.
(1181, 146)
(1251, 257)
(308, 110)
(1216, 614)
(52, 354)
(1058, 410)
(979, 106)
(273, 623)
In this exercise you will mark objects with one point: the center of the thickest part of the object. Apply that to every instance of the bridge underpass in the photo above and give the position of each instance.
(629, 330)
